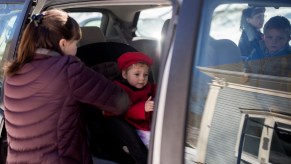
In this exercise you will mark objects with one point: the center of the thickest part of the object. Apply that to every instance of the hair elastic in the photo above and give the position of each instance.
(37, 18)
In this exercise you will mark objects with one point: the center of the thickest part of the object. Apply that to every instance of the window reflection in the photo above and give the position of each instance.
(253, 136)
(8, 15)
(281, 144)
(227, 81)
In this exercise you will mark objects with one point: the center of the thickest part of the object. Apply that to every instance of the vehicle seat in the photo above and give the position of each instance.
(165, 29)
(91, 34)
(104, 141)
(150, 47)
(222, 53)
(146, 45)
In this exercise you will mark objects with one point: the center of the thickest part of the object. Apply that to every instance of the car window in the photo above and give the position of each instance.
(151, 21)
(228, 84)
(87, 18)
(8, 15)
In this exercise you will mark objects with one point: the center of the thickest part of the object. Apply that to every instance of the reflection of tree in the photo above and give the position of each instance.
(6, 16)
(7, 19)
(3, 24)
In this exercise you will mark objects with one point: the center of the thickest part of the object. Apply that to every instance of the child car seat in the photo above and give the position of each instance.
(104, 134)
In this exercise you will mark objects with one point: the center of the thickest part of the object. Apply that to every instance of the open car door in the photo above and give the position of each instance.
(13, 17)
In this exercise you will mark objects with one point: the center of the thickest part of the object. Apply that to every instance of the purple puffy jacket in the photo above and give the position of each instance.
(42, 109)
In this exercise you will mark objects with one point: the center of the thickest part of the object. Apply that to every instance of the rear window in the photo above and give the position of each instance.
(87, 18)
(151, 21)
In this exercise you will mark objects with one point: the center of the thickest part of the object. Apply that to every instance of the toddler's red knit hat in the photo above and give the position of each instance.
(129, 58)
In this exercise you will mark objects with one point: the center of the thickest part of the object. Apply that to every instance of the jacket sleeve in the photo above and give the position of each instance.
(93, 88)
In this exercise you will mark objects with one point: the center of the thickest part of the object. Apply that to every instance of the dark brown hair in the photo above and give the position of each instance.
(248, 13)
(278, 22)
(44, 32)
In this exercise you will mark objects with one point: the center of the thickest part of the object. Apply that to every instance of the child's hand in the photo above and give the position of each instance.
(149, 105)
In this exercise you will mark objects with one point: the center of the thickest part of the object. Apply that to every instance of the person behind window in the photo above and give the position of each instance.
(276, 39)
(252, 21)
(44, 89)
(273, 55)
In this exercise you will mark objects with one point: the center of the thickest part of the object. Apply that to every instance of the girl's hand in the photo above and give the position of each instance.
(149, 105)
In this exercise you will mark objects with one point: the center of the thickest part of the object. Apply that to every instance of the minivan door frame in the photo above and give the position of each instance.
(171, 116)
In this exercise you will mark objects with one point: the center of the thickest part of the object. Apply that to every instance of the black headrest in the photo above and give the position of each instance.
(101, 52)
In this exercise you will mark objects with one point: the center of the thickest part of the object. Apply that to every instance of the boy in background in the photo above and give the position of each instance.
(272, 55)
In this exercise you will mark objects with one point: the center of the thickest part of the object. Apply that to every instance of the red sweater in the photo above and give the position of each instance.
(136, 114)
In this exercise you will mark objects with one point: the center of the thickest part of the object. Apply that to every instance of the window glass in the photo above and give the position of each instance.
(222, 26)
(87, 18)
(151, 21)
(281, 144)
(252, 137)
(244, 162)
(8, 15)
(238, 67)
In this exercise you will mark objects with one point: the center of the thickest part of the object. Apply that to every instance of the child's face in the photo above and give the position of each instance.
(276, 40)
(136, 75)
